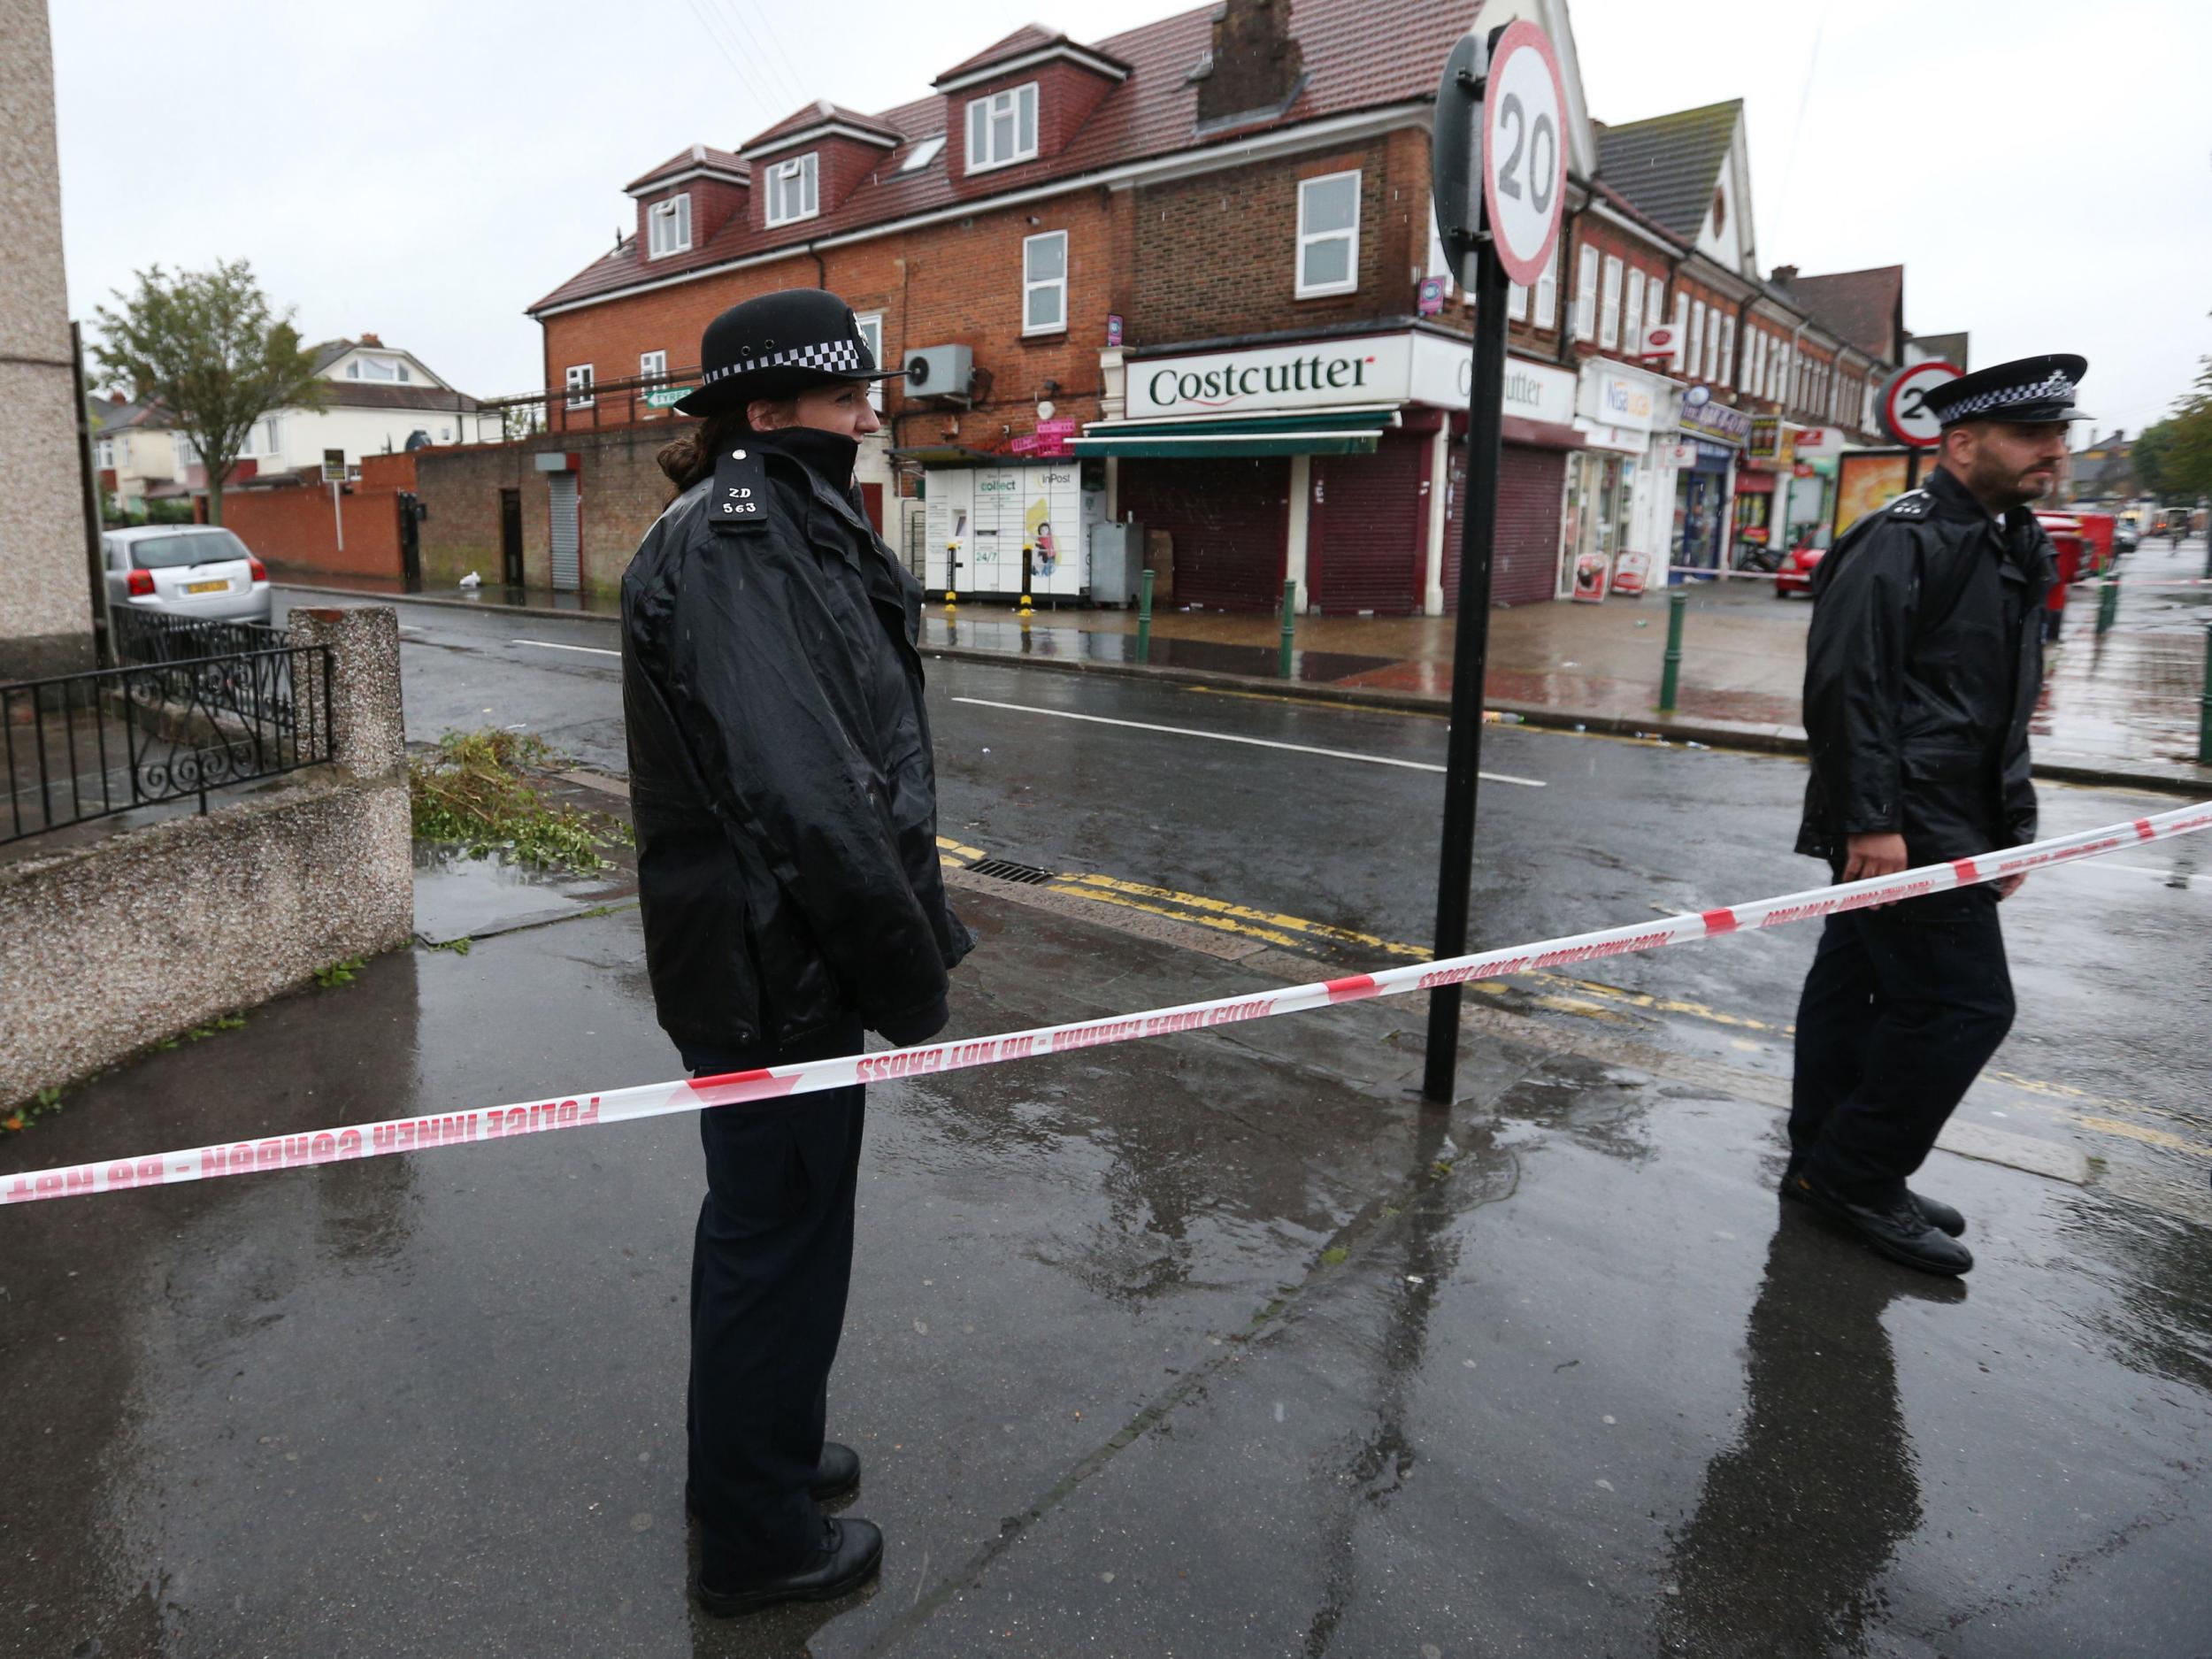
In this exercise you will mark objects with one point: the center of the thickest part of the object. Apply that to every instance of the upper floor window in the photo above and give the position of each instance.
(365, 368)
(1609, 313)
(668, 225)
(872, 336)
(580, 385)
(1633, 312)
(922, 154)
(791, 190)
(652, 367)
(1546, 296)
(1002, 128)
(1586, 313)
(1045, 283)
(188, 454)
(107, 452)
(272, 435)
(1328, 235)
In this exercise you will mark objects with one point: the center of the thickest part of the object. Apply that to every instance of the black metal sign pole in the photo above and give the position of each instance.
(1486, 426)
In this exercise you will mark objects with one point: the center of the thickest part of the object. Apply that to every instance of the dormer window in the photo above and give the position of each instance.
(376, 368)
(791, 190)
(1002, 128)
(668, 225)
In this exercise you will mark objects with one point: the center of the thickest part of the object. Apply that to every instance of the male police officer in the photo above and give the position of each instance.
(1923, 667)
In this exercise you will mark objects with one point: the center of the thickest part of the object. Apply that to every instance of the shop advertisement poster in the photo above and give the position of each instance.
(1866, 481)
(1629, 572)
(1589, 579)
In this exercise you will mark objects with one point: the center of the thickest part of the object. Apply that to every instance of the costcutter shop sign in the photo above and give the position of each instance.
(1409, 367)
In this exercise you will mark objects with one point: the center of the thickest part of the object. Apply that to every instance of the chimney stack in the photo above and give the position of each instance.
(371, 339)
(1784, 274)
(1256, 64)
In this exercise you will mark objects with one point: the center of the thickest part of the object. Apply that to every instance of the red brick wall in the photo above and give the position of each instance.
(958, 282)
(293, 529)
(1218, 254)
(1633, 251)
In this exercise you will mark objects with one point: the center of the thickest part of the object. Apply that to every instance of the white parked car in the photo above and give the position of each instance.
(199, 572)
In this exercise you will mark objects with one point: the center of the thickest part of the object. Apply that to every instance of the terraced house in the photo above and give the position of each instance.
(1185, 276)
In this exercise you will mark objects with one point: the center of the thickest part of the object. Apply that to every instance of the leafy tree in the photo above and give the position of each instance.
(208, 348)
(2152, 447)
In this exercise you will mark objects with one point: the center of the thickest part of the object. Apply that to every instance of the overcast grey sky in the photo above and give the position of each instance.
(423, 169)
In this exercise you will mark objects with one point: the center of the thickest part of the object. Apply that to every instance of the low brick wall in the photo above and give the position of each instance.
(293, 527)
(136, 938)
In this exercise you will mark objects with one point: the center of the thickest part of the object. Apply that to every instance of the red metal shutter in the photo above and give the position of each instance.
(1231, 521)
(1524, 557)
(1364, 536)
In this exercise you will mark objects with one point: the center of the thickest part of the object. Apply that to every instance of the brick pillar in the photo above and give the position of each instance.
(367, 735)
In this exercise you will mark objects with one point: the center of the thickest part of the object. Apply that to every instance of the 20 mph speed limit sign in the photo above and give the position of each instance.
(1523, 151)
(1904, 417)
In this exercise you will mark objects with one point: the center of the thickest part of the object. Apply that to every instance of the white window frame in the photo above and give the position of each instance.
(668, 226)
(1609, 306)
(105, 453)
(273, 428)
(1633, 312)
(1547, 312)
(1695, 359)
(1728, 351)
(1349, 236)
(807, 169)
(984, 110)
(1585, 310)
(871, 332)
(652, 367)
(923, 153)
(1517, 303)
(1036, 285)
(574, 384)
(1654, 305)
(188, 455)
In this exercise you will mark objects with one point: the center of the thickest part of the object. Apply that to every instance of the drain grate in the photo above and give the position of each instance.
(1007, 869)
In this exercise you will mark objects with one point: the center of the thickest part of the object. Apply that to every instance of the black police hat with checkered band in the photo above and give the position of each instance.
(778, 344)
(2027, 389)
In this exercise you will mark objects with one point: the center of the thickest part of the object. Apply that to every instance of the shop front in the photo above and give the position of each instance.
(1335, 464)
(1809, 510)
(1712, 436)
(1763, 479)
(1615, 488)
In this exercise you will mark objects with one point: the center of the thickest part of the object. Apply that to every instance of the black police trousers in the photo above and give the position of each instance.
(1902, 1009)
(771, 1264)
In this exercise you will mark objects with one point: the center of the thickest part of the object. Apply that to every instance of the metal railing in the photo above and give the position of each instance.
(86, 746)
(145, 637)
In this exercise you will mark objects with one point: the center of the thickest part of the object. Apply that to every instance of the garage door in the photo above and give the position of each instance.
(1524, 557)
(1231, 521)
(1364, 539)
(567, 573)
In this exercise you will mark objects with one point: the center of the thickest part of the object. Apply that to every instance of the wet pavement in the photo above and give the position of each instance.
(1217, 1344)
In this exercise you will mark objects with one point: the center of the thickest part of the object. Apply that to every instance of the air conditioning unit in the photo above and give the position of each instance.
(941, 371)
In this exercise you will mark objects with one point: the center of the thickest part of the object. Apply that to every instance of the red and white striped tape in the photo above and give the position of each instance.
(655, 1100)
(2128, 584)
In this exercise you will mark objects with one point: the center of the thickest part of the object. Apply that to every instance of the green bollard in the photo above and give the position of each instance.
(2204, 706)
(1290, 623)
(1677, 604)
(1144, 619)
(2107, 602)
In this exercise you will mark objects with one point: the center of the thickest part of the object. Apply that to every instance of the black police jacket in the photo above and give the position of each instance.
(1922, 669)
(780, 775)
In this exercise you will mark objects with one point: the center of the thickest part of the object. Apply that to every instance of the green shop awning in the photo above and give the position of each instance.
(1324, 432)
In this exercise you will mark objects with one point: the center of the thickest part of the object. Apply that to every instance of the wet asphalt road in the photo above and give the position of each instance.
(2110, 959)
(1213, 1345)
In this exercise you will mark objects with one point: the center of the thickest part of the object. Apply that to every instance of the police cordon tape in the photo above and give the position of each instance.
(779, 1083)
(2128, 583)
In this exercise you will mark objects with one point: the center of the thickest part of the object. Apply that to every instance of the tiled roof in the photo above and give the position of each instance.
(1359, 54)
(813, 115)
(1028, 38)
(429, 399)
(693, 156)
(1862, 306)
(1668, 164)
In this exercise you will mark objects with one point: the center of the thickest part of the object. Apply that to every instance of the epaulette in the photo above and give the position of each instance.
(1914, 503)
(740, 489)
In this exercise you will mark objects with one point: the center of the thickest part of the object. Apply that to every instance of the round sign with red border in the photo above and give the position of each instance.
(1902, 415)
(1523, 151)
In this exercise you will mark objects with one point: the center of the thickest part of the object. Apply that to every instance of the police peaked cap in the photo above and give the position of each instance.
(2031, 389)
(778, 344)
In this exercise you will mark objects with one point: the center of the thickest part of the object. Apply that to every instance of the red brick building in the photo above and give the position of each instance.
(1185, 276)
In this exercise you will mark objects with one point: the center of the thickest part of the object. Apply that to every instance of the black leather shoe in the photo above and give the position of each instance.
(1899, 1231)
(837, 1474)
(1939, 1214)
(850, 1552)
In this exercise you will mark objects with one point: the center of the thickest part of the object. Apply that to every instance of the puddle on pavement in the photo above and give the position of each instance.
(460, 897)
(1043, 640)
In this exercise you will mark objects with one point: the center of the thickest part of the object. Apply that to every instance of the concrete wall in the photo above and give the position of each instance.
(108, 946)
(46, 613)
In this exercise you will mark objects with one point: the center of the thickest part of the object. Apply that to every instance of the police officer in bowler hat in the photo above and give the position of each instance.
(785, 799)
(1923, 666)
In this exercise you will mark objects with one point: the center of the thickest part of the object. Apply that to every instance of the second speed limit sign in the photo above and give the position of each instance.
(1904, 417)
(1523, 151)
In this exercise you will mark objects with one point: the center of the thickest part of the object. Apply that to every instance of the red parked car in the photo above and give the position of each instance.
(1795, 575)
